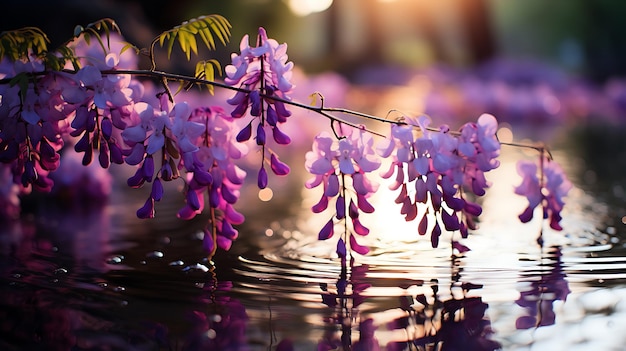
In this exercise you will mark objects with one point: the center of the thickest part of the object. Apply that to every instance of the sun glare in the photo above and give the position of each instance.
(307, 7)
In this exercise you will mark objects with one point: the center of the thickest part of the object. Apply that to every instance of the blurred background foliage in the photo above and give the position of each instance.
(580, 36)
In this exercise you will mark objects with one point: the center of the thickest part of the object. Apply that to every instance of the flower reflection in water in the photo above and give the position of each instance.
(45, 299)
(224, 327)
(541, 291)
(343, 304)
(458, 323)
(428, 322)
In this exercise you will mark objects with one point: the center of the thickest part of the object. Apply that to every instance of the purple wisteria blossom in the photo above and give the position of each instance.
(104, 103)
(264, 72)
(548, 188)
(211, 171)
(149, 132)
(331, 162)
(31, 123)
(441, 167)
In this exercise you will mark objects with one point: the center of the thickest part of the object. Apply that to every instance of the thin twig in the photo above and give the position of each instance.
(328, 112)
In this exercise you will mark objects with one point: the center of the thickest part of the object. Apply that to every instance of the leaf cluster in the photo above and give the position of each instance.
(23, 43)
(18, 44)
(204, 26)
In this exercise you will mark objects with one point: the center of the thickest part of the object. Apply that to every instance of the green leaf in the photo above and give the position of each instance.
(181, 86)
(108, 35)
(219, 31)
(21, 43)
(127, 46)
(208, 40)
(192, 45)
(199, 70)
(205, 26)
(170, 44)
(313, 98)
(20, 80)
(183, 42)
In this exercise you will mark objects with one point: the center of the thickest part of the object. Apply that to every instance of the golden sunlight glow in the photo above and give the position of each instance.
(307, 7)
(505, 133)
(266, 194)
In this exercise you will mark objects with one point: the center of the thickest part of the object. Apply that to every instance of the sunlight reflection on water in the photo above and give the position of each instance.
(279, 282)
(505, 260)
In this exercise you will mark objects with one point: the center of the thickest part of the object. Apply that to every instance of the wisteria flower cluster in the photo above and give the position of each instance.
(263, 73)
(105, 115)
(212, 171)
(341, 167)
(440, 169)
(96, 106)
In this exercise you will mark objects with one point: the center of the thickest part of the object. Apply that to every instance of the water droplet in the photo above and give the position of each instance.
(103, 285)
(199, 235)
(55, 249)
(124, 303)
(16, 276)
(60, 271)
(155, 254)
(54, 281)
(119, 289)
(177, 263)
(216, 318)
(211, 334)
(142, 262)
(196, 267)
(166, 240)
(199, 285)
(610, 230)
(117, 259)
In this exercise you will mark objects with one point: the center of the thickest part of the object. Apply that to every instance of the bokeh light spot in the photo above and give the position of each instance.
(505, 134)
(307, 7)
(266, 194)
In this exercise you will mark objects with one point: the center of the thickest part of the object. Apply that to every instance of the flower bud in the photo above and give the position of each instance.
(147, 210)
(327, 231)
(260, 135)
(245, 133)
(280, 137)
(157, 190)
(279, 168)
(262, 178)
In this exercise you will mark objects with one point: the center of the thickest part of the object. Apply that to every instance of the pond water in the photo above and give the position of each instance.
(93, 277)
